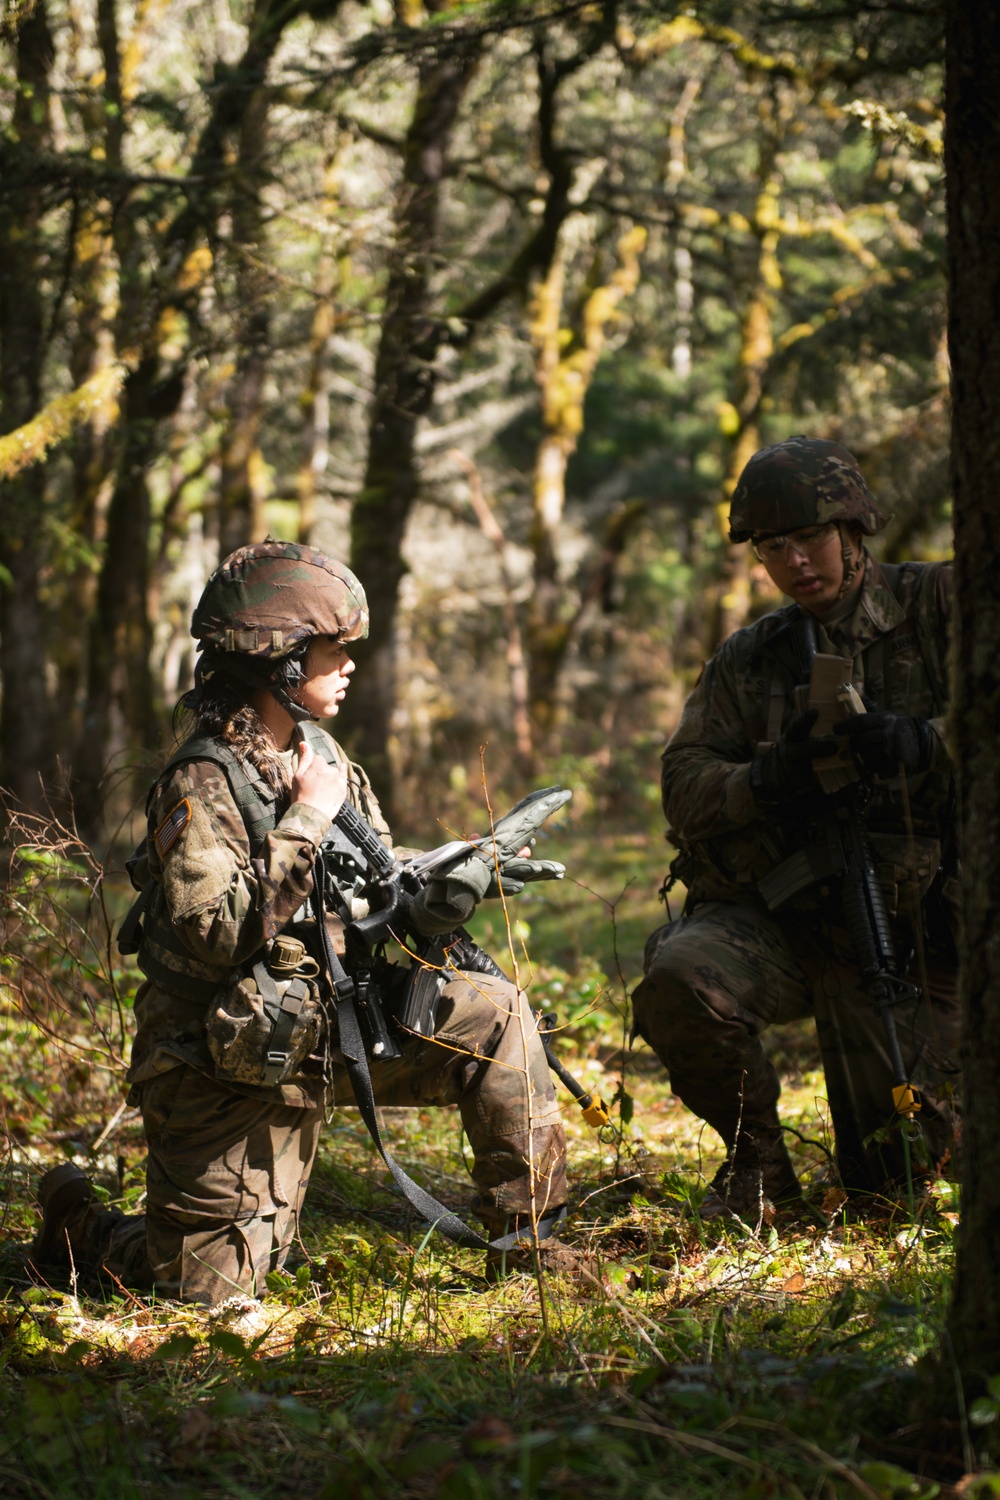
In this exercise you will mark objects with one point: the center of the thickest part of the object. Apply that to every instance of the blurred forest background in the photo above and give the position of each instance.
(493, 300)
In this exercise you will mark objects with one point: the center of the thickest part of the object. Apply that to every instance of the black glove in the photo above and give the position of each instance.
(785, 772)
(884, 743)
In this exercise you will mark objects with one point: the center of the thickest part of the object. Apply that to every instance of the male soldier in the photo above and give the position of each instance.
(235, 822)
(738, 788)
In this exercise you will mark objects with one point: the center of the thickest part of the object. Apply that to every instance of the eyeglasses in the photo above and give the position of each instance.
(807, 539)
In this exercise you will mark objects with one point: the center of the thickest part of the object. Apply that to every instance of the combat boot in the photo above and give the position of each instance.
(754, 1180)
(552, 1256)
(68, 1206)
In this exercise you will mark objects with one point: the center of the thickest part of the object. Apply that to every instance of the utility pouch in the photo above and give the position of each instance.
(416, 1013)
(137, 868)
(264, 1025)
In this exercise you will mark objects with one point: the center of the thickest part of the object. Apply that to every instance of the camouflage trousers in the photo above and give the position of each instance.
(718, 978)
(227, 1174)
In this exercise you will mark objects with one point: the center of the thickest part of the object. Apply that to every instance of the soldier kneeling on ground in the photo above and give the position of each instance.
(743, 799)
(235, 821)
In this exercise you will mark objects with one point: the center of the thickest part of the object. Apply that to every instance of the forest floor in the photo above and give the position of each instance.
(697, 1360)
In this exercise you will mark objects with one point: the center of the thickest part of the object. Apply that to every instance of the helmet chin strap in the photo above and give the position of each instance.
(851, 567)
(288, 703)
(250, 677)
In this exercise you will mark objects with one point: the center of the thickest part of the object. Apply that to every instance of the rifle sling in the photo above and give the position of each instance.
(355, 1059)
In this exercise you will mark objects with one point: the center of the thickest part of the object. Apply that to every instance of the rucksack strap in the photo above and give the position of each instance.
(255, 799)
(256, 803)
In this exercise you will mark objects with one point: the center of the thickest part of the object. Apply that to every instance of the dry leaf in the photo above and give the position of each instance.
(833, 1200)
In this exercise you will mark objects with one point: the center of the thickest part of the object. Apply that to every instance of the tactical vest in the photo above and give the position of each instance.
(722, 867)
(780, 682)
(147, 930)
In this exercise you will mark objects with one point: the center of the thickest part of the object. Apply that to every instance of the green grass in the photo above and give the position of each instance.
(697, 1360)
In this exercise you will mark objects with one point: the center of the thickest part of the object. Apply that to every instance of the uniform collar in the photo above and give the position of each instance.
(876, 612)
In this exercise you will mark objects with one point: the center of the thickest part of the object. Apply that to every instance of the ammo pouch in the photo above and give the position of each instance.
(263, 1026)
(416, 1011)
(906, 867)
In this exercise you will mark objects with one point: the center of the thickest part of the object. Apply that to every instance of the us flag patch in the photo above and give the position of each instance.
(172, 827)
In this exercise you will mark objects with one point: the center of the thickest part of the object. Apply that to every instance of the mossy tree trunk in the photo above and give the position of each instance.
(24, 742)
(404, 383)
(121, 710)
(242, 489)
(565, 361)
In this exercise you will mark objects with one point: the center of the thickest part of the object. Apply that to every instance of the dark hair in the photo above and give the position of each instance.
(218, 704)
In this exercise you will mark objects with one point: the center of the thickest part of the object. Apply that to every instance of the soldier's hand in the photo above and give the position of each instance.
(317, 783)
(885, 744)
(515, 874)
(784, 773)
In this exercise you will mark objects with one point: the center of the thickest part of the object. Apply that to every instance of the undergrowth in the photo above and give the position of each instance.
(692, 1359)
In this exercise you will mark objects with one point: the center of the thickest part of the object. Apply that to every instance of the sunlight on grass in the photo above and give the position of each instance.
(690, 1360)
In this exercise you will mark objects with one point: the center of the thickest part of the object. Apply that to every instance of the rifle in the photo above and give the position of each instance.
(399, 885)
(839, 849)
(353, 845)
(352, 848)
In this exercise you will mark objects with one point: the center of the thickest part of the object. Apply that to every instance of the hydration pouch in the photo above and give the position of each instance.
(264, 1025)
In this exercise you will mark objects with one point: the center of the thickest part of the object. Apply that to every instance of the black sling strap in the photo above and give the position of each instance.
(352, 1047)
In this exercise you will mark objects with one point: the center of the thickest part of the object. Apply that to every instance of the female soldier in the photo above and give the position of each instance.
(234, 824)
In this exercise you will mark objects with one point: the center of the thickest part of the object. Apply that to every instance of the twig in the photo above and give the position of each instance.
(110, 1126)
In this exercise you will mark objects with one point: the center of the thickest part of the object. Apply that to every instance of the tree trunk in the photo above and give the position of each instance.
(119, 671)
(404, 390)
(95, 296)
(24, 746)
(565, 361)
(972, 159)
(756, 349)
(121, 634)
(241, 488)
(316, 396)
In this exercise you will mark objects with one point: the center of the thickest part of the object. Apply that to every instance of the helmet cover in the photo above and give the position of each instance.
(265, 599)
(800, 482)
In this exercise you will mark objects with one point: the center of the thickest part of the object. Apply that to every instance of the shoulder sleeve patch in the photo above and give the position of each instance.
(172, 827)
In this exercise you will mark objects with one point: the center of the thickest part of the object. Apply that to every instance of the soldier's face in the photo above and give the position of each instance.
(328, 675)
(812, 576)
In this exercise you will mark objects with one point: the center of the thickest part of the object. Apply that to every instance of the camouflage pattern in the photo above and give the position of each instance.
(265, 599)
(705, 780)
(226, 1176)
(800, 482)
(718, 978)
(229, 1163)
(240, 1028)
(227, 1173)
(729, 968)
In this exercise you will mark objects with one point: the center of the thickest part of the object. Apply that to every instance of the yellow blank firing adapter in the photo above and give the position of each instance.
(906, 1100)
(595, 1111)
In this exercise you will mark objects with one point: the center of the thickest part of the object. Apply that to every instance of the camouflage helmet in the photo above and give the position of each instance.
(800, 482)
(268, 598)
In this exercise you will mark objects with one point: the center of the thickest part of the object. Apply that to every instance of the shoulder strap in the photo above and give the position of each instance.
(319, 740)
(893, 573)
(251, 793)
(875, 680)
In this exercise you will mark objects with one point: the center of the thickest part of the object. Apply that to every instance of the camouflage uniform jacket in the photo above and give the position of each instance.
(216, 902)
(897, 637)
